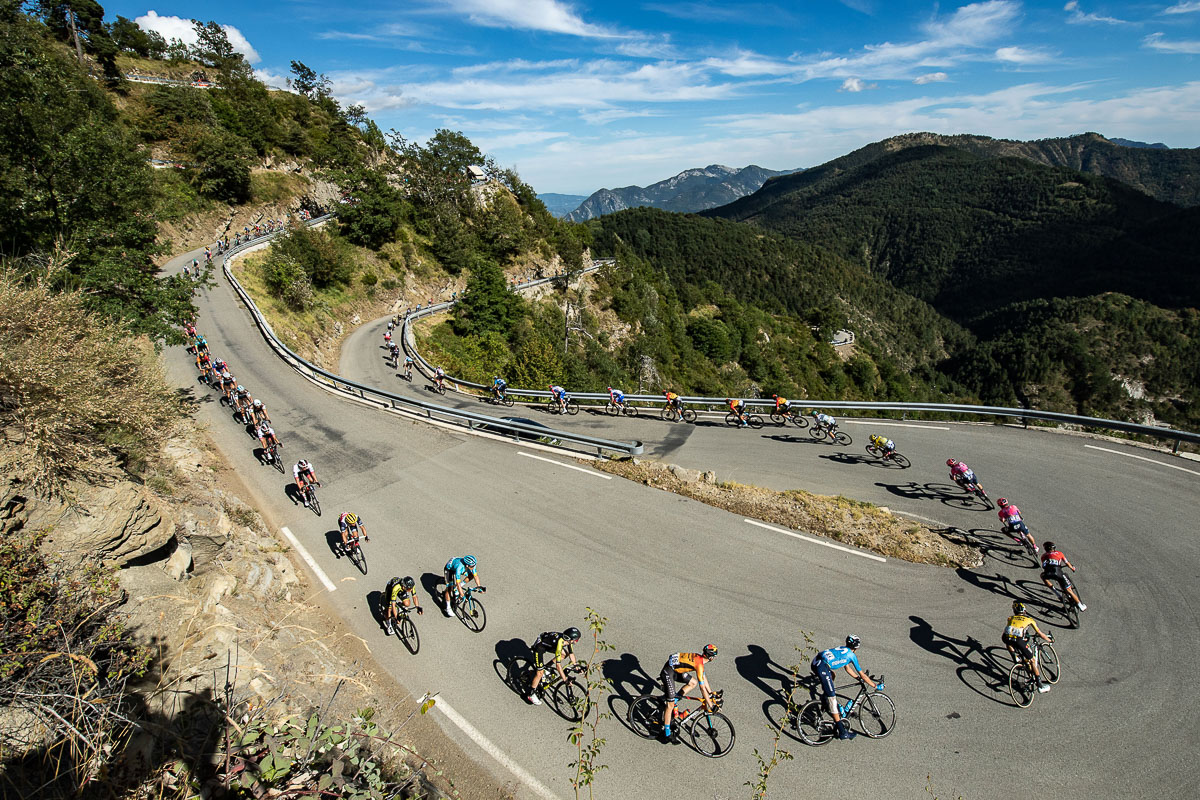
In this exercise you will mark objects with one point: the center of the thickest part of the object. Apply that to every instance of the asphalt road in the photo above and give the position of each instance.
(672, 574)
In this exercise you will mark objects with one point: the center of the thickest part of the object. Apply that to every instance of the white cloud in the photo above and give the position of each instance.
(855, 85)
(1021, 55)
(551, 16)
(1080, 17)
(1155, 41)
(1182, 8)
(932, 77)
(181, 29)
(272, 79)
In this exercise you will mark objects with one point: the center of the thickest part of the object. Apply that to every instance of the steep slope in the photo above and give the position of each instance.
(690, 190)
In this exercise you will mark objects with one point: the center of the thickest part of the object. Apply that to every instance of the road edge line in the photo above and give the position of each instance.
(1142, 458)
(308, 559)
(813, 540)
(568, 466)
(491, 749)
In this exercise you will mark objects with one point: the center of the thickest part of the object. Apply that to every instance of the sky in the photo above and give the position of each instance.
(576, 95)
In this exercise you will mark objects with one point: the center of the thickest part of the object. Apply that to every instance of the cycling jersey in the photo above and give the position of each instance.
(672, 397)
(781, 402)
(960, 469)
(825, 419)
(1019, 626)
(457, 570)
(557, 391)
(297, 472)
(408, 360)
(886, 444)
(264, 431)
(1010, 514)
(551, 642)
(736, 406)
(683, 663)
(836, 658)
(616, 395)
(343, 526)
(398, 593)
(1053, 560)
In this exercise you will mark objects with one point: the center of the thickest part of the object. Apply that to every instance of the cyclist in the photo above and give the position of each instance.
(738, 407)
(266, 435)
(886, 446)
(203, 362)
(304, 475)
(439, 378)
(399, 592)
(825, 664)
(228, 384)
(1016, 638)
(963, 475)
(242, 400)
(387, 338)
(1010, 516)
(559, 394)
(391, 325)
(824, 421)
(783, 406)
(674, 402)
(499, 387)
(678, 665)
(458, 570)
(348, 521)
(1053, 562)
(617, 396)
(408, 367)
(394, 351)
(560, 645)
(260, 412)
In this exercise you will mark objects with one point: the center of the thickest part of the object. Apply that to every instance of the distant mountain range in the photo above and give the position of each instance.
(561, 204)
(690, 190)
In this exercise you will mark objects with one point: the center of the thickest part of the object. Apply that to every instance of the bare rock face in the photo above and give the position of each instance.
(115, 523)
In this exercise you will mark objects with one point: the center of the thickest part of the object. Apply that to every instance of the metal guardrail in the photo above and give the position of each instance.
(470, 419)
(1024, 414)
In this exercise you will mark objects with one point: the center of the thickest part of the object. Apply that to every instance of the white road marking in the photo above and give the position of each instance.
(930, 520)
(890, 424)
(329, 585)
(795, 535)
(1142, 458)
(495, 752)
(568, 466)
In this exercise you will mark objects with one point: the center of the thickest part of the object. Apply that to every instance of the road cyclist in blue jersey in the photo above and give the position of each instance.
(829, 661)
(559, 395)
(617, 397)
(499, 387)
(457, 571)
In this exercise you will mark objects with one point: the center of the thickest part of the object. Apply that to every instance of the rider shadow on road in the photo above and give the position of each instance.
(334, 540)
(433, 584)
(375, 603)
(629, 681)
(774, 680)
(999, 546)
(293, 493)
(856, 459)
(944, 493)
(979, 668)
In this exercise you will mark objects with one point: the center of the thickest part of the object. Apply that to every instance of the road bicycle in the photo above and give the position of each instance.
(469, 609)
(752, 420)
(1021, 537)
(567, 698)
(616, 409)
(352, 547)
(670, 413)
(405, 629)
(784, 417)
(1067, 607)
(309, 493)
(711, 733)
(271, 455)
(893, 456)
(439, 386)
(504, 399)
(870, 711)
(820, 432)
(1021, 683)
(408, 372)
(571, 407)
(975, 488)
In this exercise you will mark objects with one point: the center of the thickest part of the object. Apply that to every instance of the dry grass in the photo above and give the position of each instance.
(851, 522)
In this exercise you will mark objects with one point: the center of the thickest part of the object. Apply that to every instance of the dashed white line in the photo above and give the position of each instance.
(568, 466)
(930, 520)
(890, 424)
(795, 535)
(491, 749)
(329, 585)
(1142, 458)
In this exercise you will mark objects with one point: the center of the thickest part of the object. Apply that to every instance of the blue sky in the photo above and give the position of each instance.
(582, 95)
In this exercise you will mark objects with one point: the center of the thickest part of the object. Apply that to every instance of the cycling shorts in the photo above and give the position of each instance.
(1021, 645)
(1057, 574)
(667, 681)
(825, 674)
(540, 653)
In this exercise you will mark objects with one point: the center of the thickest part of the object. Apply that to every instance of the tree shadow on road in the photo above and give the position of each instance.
(980, 668)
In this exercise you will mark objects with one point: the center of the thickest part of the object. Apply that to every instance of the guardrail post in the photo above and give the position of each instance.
(1175, 449)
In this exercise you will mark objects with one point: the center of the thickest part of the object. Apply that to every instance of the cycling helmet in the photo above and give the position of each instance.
(1002, 502)
(258, 403)
(469, 561)
(572, 633)
(853, 642)
(241, 388)
(352, 518)
(1049, 546)
(710, 651)
(303, 464)
(407, 582)
(774, 397)
(950, 462)
(201, 340)
(1018, 607)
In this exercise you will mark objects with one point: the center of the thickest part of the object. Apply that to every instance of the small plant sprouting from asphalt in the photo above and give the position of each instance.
(761, 784)
(584, 734)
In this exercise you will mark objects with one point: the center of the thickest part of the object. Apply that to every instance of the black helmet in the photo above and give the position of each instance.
(710, 651)
(1049, 546)
(407, 582)
(572, 633)
(1018, 607)
(853, 642)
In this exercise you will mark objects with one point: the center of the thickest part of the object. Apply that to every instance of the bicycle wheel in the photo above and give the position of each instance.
(612, 409)
(1021, 685)
(407, 631)
(811, 724)
(778, 419)
(842, 438)
(358, 558)
(519, 675)
(902, 461)
(552, 407)
(470, 612)
(313, 502)
(755, 421)
(1071, 612)
(1048, 664)
(507, 401)
(645, 716)
(817, 432)
(876, 715)
(689, 415)
(630, 411)
(799, 421)
(712, 733)
(569, 700)
(731, 419)
(572, 407)
(873, 450)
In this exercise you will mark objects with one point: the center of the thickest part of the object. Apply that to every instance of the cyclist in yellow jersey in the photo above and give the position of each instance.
(674, 402)
(399, 592)
(1017, 632)
(678, 665)
(782, 404)
(560, 644)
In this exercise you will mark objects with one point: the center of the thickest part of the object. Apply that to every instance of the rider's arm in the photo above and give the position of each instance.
(1038, 631)
(1068, 563)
